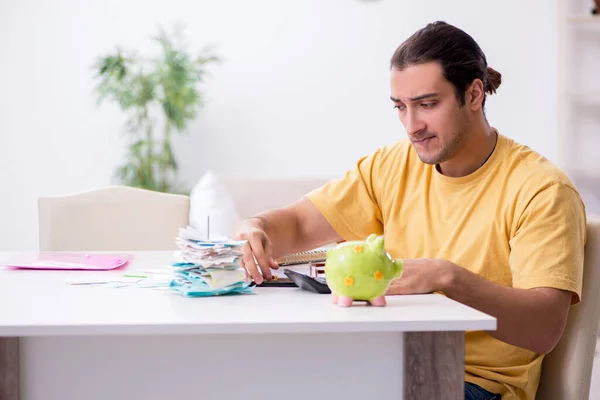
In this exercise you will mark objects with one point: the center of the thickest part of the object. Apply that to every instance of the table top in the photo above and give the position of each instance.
(41, 303)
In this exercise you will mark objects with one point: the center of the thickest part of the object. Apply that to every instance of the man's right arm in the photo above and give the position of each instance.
(272, 234)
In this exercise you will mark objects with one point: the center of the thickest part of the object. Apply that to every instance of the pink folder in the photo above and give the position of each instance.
(67, 261)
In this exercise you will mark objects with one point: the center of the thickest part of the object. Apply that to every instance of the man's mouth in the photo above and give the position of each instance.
(424, 140)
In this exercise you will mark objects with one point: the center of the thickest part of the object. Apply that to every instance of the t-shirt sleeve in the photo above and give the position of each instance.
(547, 247)
(350, 204)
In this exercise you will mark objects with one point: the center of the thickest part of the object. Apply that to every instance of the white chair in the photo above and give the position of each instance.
(567, 370)
(116, 218)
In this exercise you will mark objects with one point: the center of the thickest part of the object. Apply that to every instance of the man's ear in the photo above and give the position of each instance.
(474, 95)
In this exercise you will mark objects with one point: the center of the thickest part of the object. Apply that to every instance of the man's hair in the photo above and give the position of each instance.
(460, 57)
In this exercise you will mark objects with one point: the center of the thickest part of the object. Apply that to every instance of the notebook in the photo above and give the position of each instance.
(305, 257)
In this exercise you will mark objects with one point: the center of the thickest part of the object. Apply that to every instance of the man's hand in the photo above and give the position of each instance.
(422, 275)
(418, 276)
(537, 326)
(297, 227)
(257, 253)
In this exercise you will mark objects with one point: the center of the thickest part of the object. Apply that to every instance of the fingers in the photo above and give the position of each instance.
(398, 286)
(250, 264)
(241, 263)
(269, 255)
(259, 253)
(257, 257)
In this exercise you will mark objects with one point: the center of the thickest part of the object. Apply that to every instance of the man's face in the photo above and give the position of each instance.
(436, 123)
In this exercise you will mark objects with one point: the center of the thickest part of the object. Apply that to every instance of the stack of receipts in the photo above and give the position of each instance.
(208, 267)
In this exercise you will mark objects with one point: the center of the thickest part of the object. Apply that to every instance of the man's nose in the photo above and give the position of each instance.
(414, 124)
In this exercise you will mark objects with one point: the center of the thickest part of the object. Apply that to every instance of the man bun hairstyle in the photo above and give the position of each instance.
(493, 80)
(460, 57)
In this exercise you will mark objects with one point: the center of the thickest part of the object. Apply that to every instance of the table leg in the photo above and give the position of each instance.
(434, 365)
(9, 368)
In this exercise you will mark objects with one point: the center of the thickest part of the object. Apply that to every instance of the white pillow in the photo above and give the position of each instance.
(212, 207)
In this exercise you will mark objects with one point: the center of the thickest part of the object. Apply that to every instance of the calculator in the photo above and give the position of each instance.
(306, 282)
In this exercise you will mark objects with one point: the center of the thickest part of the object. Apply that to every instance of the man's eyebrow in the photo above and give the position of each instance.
(421, 97)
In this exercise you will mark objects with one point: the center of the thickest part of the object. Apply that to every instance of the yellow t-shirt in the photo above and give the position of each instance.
(517, 221)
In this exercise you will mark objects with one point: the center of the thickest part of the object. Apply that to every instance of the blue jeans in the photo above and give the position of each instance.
(475, 392)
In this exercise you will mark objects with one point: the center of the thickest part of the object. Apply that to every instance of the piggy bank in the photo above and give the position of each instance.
(361, 271)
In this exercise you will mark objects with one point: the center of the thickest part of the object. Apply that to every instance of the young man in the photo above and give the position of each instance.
(487, 221)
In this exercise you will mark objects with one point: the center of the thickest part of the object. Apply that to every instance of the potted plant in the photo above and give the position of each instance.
(160, 96)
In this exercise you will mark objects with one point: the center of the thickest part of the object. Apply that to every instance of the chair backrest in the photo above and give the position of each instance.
(567, 370)
(112, 218)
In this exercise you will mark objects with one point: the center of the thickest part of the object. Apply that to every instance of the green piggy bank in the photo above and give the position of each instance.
(361, 271)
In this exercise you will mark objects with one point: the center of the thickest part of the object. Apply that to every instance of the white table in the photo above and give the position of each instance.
(97, 343)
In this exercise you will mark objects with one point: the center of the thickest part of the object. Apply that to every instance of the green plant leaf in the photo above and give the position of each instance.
(169, 83)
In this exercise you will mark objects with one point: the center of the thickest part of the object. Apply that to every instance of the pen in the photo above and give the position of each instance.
(135, 276)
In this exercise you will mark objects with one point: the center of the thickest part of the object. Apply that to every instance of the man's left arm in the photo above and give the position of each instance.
(547, 267)
(530, 318)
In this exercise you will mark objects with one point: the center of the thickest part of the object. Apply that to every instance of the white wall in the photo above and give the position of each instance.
(303, 89)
